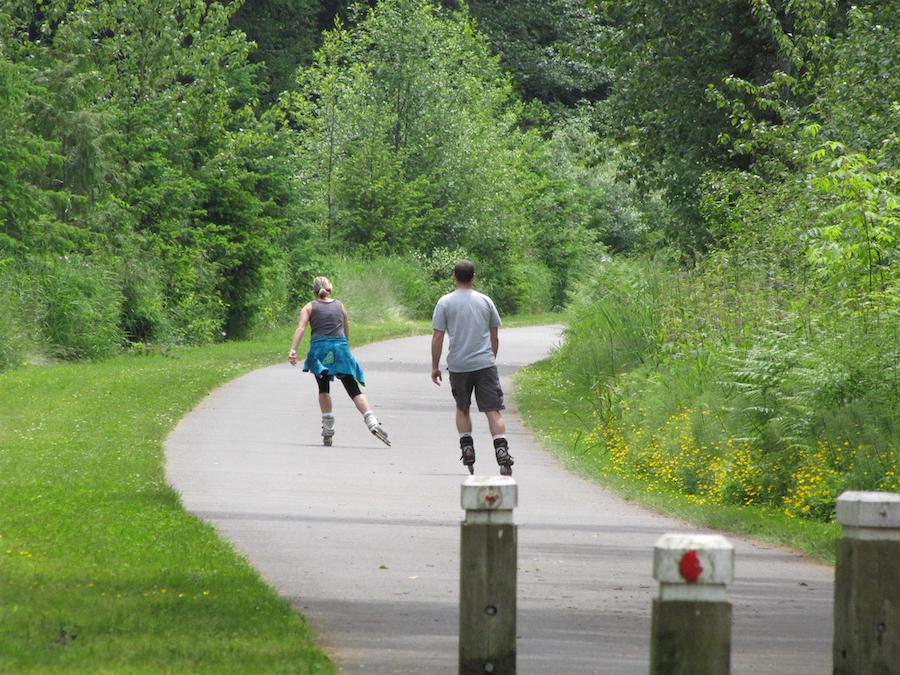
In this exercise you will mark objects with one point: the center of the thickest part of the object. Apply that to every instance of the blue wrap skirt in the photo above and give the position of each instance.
(330, 356)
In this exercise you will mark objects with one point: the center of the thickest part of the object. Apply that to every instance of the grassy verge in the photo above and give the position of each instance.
(563, 420)
(539, 319)
(100, 568)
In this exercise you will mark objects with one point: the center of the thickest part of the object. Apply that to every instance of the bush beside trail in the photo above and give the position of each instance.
(726, 394)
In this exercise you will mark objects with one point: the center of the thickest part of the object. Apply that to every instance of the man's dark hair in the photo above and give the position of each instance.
(464, 271)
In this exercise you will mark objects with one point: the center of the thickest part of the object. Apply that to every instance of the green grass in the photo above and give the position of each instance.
(534, 319)
(101, 570)
(562, 420)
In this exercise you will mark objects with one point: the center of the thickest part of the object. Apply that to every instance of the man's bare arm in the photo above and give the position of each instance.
(437, 346)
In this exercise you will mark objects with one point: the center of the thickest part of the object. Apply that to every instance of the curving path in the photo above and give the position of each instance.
(363, 539)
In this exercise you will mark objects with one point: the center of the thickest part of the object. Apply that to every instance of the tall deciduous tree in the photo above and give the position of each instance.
(409, 119)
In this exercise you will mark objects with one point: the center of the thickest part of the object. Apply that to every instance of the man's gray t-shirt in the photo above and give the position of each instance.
(467, 317)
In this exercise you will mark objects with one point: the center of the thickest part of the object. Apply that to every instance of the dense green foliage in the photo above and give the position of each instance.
(139, 159)
(286, 33)
(551, 47)
(409, 139)
(166, 180)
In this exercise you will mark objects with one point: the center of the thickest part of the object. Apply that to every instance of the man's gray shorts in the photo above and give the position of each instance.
(485, 383)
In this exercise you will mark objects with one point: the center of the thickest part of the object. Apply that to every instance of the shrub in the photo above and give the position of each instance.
(538, 286)
(143, 318)
(194, 305)
(78, 306)
(275, 306)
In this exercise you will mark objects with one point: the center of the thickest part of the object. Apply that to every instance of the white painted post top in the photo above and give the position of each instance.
(489, 499)
(861, 512)
(489, 493)
(693, 566)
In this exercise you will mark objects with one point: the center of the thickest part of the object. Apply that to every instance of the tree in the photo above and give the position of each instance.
(163, 159)
(286, 33)
(410, 141)
(409, 121)
(550, 47)
(666, 56)
(23, 155)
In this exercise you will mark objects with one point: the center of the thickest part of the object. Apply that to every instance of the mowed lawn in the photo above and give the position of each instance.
(100, 568)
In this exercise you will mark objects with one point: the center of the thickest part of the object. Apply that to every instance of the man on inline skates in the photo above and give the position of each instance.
(471, 321)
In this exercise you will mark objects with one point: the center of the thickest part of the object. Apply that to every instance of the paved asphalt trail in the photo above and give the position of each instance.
(363, 539)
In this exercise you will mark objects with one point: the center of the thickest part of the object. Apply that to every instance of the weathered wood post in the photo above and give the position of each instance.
(691, 625)
(487, 576)
(867, 584)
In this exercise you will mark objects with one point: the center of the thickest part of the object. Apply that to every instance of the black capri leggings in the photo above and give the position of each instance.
(349, 382)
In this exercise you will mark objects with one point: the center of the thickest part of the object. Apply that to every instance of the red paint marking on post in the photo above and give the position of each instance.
(690, 567)
(490, 499)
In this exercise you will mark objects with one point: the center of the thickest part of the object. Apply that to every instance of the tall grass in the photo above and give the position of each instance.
(60, 307)
(568, 421)
(399, 288)
(726, 393)
(380, 289)
(14, 338)
(79, 307)
(615, 322)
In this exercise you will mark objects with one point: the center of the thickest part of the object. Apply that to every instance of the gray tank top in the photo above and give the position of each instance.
(327, 319)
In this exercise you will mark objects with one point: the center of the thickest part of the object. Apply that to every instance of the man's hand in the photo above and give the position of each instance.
(436, 376)
(292, 357)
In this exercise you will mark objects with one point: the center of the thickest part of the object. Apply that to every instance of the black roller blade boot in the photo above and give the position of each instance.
(467, 447)
(504, 459)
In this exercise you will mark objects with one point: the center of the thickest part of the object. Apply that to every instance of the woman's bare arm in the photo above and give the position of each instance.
(298, 334)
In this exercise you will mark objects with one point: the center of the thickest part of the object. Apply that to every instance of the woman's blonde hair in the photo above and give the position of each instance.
(322, 287)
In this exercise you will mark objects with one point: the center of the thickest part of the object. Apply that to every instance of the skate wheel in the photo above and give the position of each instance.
(471, 468)
(381, 436)
(506, 471)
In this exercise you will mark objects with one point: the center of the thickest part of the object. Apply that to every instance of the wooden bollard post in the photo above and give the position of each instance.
(867, 584)
(487, 576)
(691, 625)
